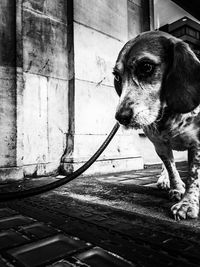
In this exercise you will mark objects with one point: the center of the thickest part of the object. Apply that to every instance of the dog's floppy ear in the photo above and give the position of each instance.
(182, 82)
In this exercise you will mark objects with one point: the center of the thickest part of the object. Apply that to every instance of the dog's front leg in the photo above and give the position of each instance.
(188, 207)
(163, 180)
(177, 187)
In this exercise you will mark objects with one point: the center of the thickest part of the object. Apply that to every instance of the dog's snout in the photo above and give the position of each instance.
(124, 115)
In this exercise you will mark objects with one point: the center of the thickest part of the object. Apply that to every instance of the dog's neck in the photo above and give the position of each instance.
(165, 114)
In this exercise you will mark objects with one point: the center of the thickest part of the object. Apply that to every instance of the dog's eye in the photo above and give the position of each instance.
(117, 77)
(117, 83)
(145, 69)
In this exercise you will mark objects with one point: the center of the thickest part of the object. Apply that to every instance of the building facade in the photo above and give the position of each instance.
(56, 85)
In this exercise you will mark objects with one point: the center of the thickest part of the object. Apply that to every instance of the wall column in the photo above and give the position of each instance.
(34, 87)
(9, 69)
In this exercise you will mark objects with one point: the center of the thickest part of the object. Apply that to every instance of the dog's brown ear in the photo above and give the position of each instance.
(182, 83)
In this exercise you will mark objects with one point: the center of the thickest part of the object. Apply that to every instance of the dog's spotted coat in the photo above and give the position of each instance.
(157, 77)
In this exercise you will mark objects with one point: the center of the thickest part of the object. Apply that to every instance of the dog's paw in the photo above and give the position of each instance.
(163, 181)
(185, 210)
(178, 192)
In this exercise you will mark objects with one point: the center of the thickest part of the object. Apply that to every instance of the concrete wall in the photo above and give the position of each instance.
(8, 129)
(45, 96)
(33, 87)
(100, 31)
(56, 85)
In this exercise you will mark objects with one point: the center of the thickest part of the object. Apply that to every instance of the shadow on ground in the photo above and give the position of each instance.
(110, 216)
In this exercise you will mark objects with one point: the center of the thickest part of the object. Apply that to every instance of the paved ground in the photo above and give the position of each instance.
(104, 221)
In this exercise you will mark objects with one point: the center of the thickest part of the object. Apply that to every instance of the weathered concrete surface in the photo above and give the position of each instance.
(54, 9)
(93, 122)
(7, 33)
(7, 117)
(44, 138)
(95, 55)
(134, 19)
(33, 86)
(95, 108)
(100, 31)
(35, 119)
(58, 117)
(44, 45)
(103, 16)
(45, 96)
(7, 89)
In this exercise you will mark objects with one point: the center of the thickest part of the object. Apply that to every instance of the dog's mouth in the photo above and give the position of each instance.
(141, 119)
(133, 125)
(138, 123)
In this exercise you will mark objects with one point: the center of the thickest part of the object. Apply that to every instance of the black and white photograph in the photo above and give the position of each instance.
(100, 133)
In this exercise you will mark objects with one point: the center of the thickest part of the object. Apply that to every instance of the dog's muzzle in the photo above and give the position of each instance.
(124, 116)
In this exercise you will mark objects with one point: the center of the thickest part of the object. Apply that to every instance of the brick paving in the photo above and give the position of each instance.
(103, 221)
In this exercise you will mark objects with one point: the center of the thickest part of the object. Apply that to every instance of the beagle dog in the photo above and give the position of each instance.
(157, 78)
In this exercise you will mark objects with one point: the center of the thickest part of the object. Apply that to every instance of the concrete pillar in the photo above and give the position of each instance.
(46, 85)
(34, 88)
(9, 168)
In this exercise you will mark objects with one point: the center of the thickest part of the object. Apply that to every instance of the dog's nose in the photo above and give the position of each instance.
(124, 116)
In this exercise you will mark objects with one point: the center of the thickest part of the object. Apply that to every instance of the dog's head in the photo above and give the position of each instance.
(153, 71)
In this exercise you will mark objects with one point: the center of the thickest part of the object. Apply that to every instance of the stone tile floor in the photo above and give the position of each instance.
(103, 221)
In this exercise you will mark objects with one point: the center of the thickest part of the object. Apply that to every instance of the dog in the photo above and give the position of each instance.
(157, 78)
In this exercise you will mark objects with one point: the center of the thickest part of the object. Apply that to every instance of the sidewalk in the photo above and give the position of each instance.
(103, 221)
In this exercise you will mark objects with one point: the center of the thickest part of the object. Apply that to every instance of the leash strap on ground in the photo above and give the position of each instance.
(44, 188)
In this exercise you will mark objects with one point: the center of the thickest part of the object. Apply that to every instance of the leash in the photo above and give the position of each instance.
(45, 188)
